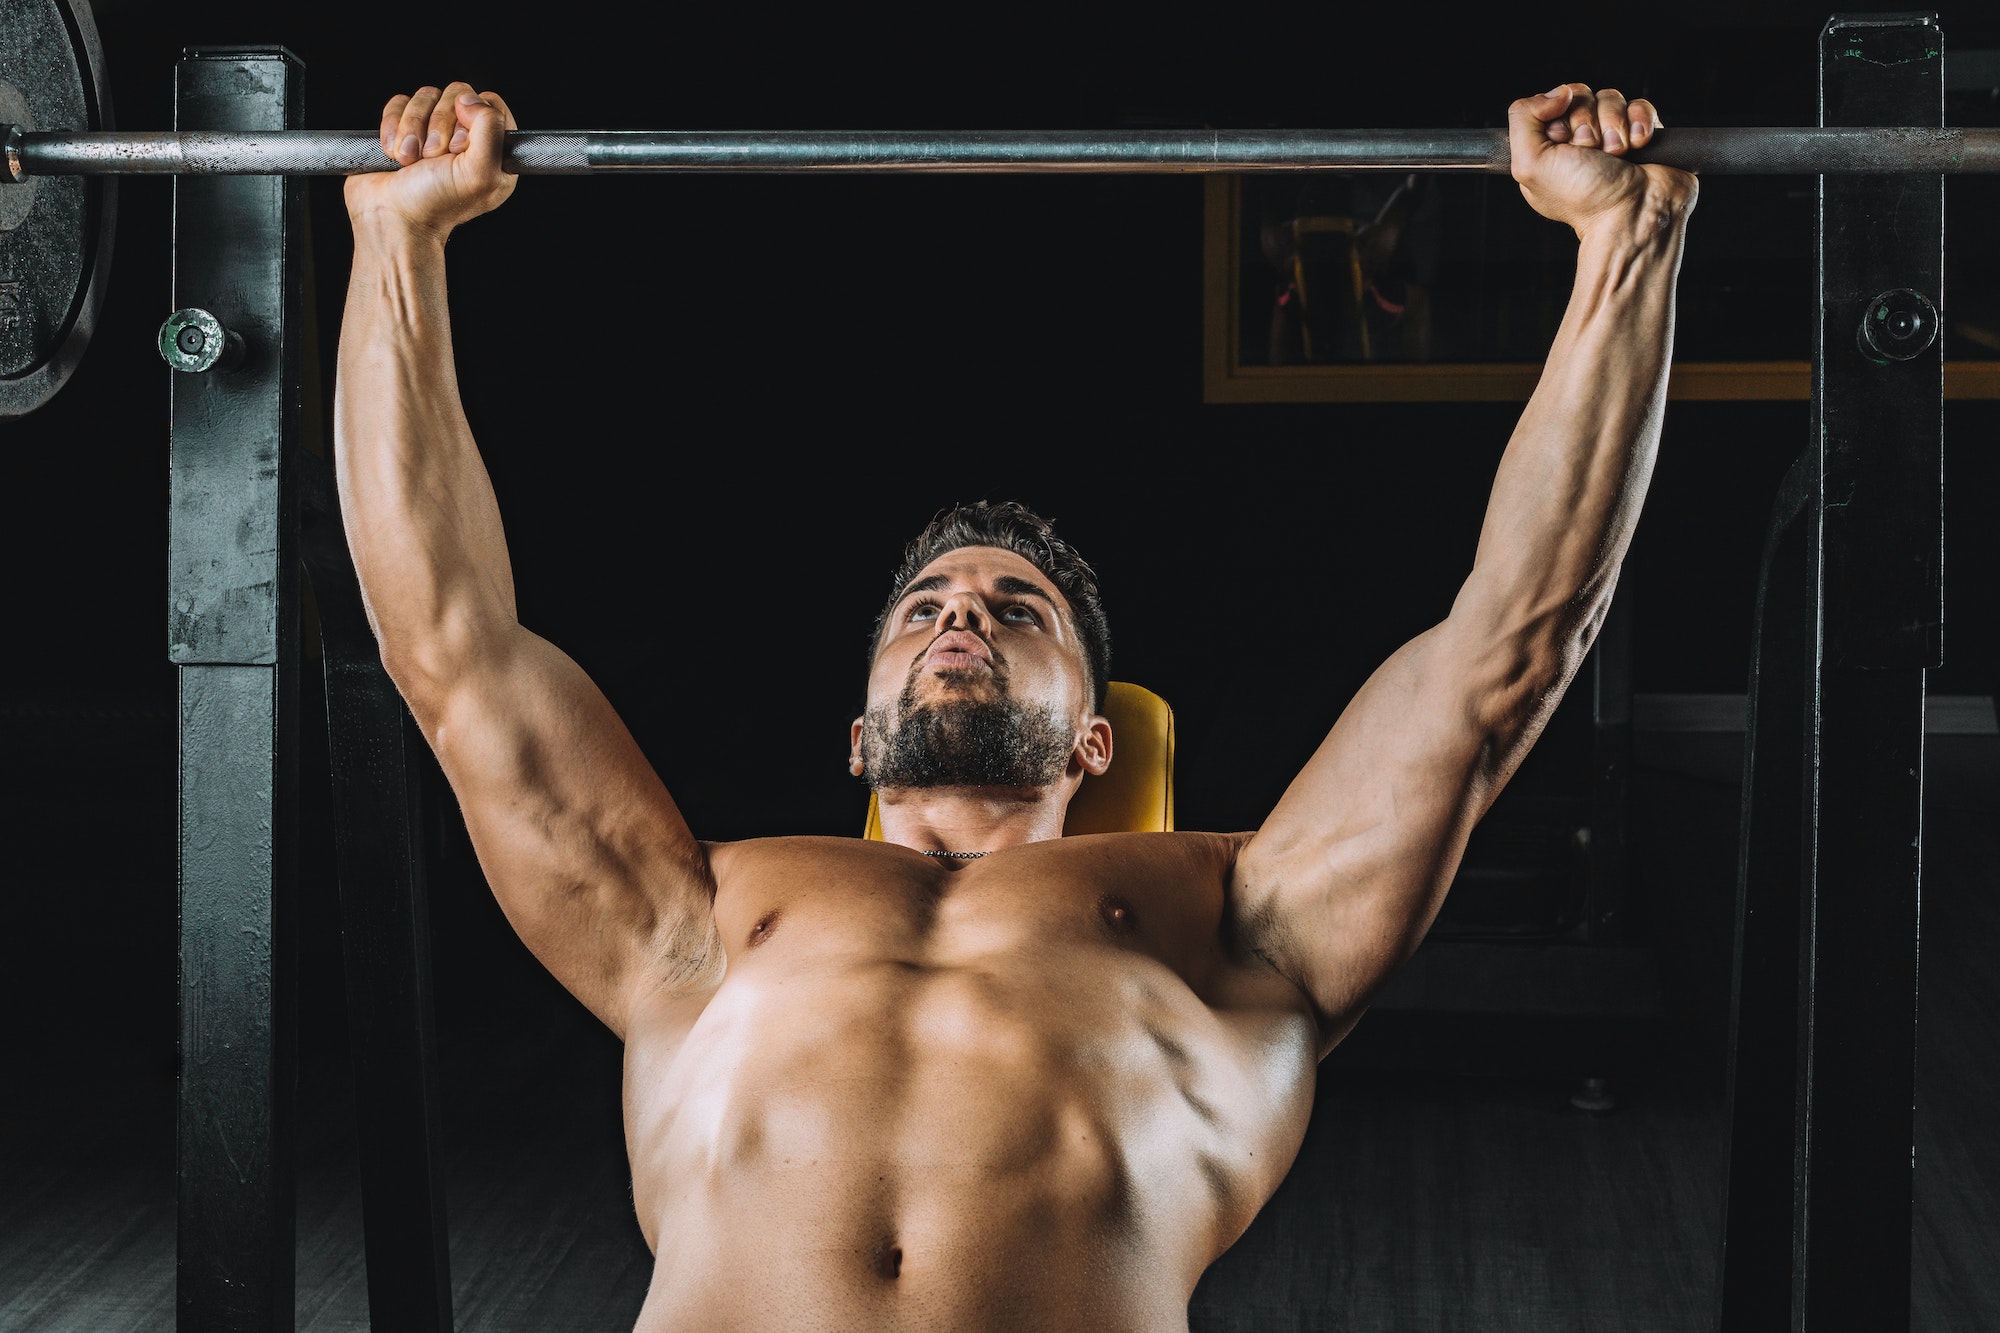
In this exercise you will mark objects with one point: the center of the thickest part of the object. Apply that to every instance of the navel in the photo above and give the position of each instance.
(889, 1259)
(766, 927)
(1117, 914)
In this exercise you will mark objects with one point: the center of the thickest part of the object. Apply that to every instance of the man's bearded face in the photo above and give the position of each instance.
(964, 742)
(977, 681)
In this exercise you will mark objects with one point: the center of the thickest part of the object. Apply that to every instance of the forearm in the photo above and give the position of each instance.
(1567, 494)
(422, 522)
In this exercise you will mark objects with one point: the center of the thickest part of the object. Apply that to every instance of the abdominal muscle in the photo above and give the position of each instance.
(876, 1145)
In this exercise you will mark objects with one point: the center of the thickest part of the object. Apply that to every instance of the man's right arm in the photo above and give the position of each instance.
(586, 852)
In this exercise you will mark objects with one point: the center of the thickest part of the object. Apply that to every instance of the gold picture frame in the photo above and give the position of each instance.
(1226, 380)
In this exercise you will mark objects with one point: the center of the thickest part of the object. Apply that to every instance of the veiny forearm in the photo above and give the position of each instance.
(1567, 494)
(422, 521)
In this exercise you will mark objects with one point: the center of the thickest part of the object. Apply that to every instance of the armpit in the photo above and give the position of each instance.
(685, 957)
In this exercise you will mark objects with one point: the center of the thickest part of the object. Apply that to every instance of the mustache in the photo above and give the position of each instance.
(998, 658)
(907, 699)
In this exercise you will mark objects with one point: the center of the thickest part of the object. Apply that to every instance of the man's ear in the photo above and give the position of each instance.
(854, 765)
(1093, 748)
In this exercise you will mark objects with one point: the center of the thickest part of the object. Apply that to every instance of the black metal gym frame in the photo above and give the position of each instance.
(1849, 617)
(233, 633)
(248, 505)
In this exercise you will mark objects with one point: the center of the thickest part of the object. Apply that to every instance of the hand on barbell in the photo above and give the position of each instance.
(1566, 145)
(448, 143)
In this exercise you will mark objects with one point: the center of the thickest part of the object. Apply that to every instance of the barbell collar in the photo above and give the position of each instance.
(1779, 150)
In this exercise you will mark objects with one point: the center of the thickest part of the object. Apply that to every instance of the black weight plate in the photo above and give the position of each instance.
(55, 231)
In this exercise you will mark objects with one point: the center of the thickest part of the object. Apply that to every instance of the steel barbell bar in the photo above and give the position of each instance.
(1781, 150)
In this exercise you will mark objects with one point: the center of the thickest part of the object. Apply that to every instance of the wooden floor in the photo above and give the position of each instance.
(1420, 1201)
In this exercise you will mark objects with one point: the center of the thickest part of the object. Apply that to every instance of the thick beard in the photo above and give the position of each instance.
(964, 743)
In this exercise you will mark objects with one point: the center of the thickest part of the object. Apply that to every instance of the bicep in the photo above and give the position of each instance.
(1341, 882)
(585, 851)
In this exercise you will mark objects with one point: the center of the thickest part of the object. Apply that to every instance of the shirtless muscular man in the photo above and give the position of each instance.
(979, 1075)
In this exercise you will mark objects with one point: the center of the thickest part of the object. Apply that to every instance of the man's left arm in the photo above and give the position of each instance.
(1340, 884)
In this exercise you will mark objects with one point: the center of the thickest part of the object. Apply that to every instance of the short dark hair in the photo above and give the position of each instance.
(1012, 526)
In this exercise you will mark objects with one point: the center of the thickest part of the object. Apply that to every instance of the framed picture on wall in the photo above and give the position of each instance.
(1384, 287)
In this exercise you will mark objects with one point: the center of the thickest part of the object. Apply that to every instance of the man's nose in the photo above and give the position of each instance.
(965, 610)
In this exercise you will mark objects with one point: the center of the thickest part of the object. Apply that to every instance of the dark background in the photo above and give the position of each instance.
(715, 408)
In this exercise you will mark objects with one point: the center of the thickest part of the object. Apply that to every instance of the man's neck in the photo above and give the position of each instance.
(971, 819)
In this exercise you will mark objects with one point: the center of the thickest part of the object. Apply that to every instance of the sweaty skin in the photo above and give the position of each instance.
(1044, 1088)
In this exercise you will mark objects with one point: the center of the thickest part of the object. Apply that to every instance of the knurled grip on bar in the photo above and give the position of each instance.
(1737, 152)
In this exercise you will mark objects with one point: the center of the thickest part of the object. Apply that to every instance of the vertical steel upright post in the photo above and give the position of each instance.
(233, 633)
(1881, 529)
(385, 939)
(1756, 1267)
(1860, 533)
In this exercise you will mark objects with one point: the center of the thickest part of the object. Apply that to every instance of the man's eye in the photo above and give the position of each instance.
(1021, 615)
(924, 611)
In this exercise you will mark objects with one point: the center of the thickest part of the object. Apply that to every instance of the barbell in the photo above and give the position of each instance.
(1775, 150)
(59, 160)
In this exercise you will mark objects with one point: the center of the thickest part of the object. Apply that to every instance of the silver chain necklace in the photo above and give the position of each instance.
(960, 856)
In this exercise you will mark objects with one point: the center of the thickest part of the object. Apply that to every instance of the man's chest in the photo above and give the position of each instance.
(1161, 896)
